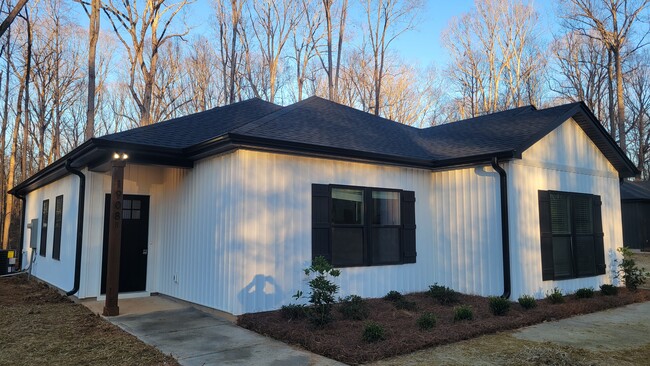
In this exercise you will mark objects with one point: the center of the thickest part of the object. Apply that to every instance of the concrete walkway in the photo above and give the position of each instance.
(610, 330)
(197, 338)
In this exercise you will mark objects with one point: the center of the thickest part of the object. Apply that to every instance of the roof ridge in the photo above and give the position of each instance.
(250, 126)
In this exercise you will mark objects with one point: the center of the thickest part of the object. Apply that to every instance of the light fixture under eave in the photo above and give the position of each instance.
(120, 156)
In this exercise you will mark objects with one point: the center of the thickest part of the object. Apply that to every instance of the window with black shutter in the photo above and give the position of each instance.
(571, 235)
(44, 219)
(58, 218)
(360, 226)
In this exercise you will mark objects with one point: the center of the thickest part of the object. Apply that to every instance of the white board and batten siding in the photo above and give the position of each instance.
(59, 273)
(564, 160)
(238, 232)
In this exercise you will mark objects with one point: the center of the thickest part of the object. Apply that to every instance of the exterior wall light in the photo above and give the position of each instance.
(120, 156)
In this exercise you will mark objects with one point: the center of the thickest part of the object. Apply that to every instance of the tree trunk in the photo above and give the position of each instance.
(11, 173)
(93, 34)
(3, 140)
(620, 100)
(233, 55)
(610, 94)
(28, 68)
(344, 15)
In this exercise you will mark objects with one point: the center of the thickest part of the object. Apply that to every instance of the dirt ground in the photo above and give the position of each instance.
(41, 327)
(505, 349)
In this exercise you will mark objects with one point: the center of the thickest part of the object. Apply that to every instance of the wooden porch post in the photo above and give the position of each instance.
(114, 236)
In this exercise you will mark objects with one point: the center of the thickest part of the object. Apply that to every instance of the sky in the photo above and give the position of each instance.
(421, 45)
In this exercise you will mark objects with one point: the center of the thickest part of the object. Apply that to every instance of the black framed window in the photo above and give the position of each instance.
(571, 235)
(361, 226)
(44, 220)
(131, 209)
(58, 220)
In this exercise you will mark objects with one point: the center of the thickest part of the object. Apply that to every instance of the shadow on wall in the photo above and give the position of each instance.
(261, 293)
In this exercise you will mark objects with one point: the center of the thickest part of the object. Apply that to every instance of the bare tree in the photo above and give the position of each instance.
(93, 37)
(385, 21)
(273, 21)
(496, 61)
(612, 22)
(333, 71)
(143, 32)
(638, 102)
(306, 37)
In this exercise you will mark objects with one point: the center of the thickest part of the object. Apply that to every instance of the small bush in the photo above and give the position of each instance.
(463, 312)
(527, 302)
(406, 305)
(443, 294)
(323, 291)
(393, 296)
(499, 305)
(555, 296)
(632, 275)
(293, 311)
(585, 293)
(373, 332)
(608, 290)
(353, 307)
(426, 321)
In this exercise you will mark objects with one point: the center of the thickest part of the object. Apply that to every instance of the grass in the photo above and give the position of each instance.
(41, 327)
(404, 334)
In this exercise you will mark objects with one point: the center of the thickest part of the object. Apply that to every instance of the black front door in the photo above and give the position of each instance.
(135, 237)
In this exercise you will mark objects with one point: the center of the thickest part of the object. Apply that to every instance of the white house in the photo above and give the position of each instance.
(224, 208)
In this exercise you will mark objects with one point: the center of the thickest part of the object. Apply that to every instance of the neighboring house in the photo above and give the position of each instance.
(224, 208)
(635, 207)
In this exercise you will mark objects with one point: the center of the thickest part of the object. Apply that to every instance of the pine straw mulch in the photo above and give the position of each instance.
(341, 340)
(41, 327)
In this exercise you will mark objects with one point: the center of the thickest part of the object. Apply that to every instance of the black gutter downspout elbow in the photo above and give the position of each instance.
(80, 225)
(505, 231)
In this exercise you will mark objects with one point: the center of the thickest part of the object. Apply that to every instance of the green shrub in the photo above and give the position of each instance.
(499, 305)
(443, 294)
(527, 302)
(323, 291)
(463, 312)
(426, 321)
(555, 296)
(373, 332)
(293, 311)
(608, 290)
(628, 271)
(353, 307)
(404, 304)
(585, 293)
(393, 296)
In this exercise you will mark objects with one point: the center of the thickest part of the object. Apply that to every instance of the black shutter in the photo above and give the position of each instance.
(599, 246)
(44, 219)
(320, 221)
(408, 226)
(58, 217)
(546, 235)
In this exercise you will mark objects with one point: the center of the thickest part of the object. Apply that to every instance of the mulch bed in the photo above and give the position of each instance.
(342, 339)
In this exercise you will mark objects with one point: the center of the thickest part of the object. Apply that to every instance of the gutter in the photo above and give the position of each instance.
(80, 223)
(505, 230)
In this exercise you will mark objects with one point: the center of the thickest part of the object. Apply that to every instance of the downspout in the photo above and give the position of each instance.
(80, 225)
(505, 233)
(22, 228)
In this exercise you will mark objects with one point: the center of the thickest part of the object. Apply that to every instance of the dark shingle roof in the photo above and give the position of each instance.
(318, 121)
(509, 130)
(635, 190)
(318, 127)
(186, 131)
